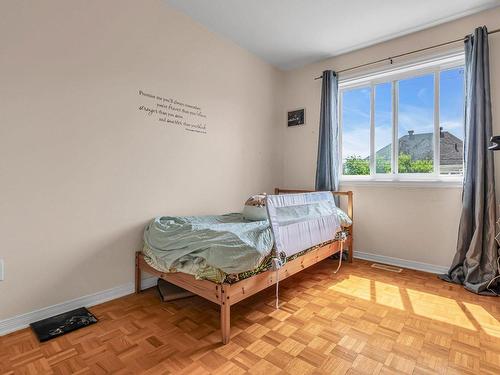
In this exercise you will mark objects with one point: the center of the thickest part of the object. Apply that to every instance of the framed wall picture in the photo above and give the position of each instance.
(296, 117)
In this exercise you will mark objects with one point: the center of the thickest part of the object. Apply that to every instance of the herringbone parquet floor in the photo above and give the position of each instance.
(360, 321)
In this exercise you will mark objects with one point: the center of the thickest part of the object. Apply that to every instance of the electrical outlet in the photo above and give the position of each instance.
(1, 270)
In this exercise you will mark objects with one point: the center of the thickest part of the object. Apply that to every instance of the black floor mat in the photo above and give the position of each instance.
(58, 325)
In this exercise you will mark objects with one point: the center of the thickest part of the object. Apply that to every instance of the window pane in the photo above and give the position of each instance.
(356, 131)
(451, 116)
(383, 127)
(416, 125)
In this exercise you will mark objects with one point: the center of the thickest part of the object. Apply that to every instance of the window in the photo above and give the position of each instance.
(383, 128)
(404, 124)
(451, 114)
(356, 131)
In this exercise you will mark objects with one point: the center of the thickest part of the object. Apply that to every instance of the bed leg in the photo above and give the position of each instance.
(351, 249)
(350, 212)
(225, 320)
(137, 273)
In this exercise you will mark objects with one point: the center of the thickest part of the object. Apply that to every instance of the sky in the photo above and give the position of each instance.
(416, 111)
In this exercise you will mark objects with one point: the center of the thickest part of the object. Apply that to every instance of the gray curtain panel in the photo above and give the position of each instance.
(474, 264)
(327, 174)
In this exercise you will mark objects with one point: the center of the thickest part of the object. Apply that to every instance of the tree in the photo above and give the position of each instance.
(407, 165)
(383, 165)
(355, 165)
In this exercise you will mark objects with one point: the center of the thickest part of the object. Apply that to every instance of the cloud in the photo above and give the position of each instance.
(454, 127)
(383, 137)
(356, 141)
(352, 111)
(417, 118)
(422, 94)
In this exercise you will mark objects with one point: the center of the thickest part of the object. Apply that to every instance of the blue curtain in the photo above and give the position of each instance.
(474, 264)
(327, 174)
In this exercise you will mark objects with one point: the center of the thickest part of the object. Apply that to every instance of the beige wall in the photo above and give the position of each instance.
(418, 224)
(82, 170)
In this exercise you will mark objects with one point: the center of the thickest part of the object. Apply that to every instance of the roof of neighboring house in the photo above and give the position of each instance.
(419, 146)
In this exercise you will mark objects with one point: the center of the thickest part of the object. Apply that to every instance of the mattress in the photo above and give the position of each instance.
(224, 248)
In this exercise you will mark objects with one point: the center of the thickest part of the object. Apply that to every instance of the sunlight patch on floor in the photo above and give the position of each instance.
(354, 286)
(487, 322)
(388, 295)
(428, 305)
(425, 304)
(438, 308)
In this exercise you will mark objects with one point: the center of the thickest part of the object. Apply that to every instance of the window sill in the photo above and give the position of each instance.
(428, 183)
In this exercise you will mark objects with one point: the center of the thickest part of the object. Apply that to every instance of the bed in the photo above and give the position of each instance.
(233, 288)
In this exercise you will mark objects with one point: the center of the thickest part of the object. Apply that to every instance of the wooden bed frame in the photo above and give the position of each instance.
(226, 295)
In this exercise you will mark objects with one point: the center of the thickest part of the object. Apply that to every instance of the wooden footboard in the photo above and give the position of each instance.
(227, 295)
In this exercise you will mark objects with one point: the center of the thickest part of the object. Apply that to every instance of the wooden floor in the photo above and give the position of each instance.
(360, 321)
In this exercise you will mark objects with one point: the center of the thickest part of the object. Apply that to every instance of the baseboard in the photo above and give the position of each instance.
(426, 267)
(22, 321)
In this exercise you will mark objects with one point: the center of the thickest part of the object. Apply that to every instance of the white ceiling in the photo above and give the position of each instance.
(293, 33)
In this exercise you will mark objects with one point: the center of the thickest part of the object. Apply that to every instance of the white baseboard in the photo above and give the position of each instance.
(426, 267)
(22, 321)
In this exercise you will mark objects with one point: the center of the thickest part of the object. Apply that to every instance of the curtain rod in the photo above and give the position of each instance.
(405, 54)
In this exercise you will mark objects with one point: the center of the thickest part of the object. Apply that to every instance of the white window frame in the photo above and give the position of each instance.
(394, 74)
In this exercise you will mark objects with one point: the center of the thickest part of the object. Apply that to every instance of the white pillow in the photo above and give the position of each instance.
(255, 208)
(254, 213)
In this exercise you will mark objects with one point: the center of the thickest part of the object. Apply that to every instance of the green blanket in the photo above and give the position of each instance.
(195, 244)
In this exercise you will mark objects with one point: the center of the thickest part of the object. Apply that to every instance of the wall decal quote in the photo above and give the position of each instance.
(172, 112)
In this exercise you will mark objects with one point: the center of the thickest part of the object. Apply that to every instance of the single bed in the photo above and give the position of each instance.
(230, 288)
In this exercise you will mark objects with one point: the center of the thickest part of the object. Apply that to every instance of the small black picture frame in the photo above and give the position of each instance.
(296, 117)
